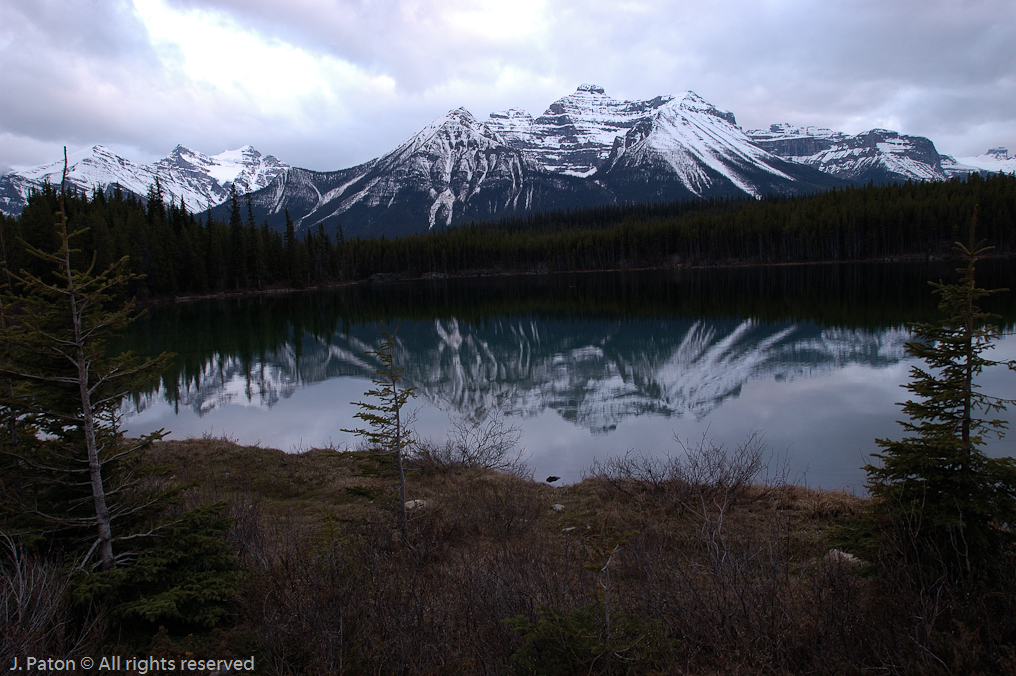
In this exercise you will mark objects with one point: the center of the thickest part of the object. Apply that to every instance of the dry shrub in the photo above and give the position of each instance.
(942, 625)
(500, 507)
(701, 472)
(489, 443)
(365, 602)
(35, 618)
(738, 595)
(299, 602)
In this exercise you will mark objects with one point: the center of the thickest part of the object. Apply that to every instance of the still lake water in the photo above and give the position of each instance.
(586, 365)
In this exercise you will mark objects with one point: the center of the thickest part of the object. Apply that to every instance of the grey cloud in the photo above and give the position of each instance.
(414, 41)
(80, 72)
(69, 69)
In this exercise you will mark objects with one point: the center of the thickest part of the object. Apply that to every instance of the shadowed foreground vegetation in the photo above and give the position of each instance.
(702, 565)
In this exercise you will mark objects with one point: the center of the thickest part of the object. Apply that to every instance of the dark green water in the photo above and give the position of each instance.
(587, 365)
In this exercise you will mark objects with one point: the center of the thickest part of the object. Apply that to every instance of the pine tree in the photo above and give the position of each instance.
(958, 505)
(390, 432)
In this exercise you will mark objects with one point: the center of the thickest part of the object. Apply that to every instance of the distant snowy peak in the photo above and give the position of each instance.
(246, 167)
(995, 160)
(691, 137)
(454, 128)
(88, 169)
(577, 133)
(199, 180)
(999, 154)
(92, 167)
(878, 155)
(204, 180)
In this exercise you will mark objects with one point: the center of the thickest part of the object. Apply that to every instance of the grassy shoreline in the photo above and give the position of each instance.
(697, 565)
(718, 580)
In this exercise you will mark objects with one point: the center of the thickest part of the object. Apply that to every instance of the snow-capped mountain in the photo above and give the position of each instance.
(878, 155)
(663, 148)
(586, 149)
(689, 148)
(455, 169)
(576, 133)
(199, 180)
(994, 161)
(196, 176)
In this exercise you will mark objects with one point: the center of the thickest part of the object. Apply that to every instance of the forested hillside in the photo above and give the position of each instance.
(182, 253)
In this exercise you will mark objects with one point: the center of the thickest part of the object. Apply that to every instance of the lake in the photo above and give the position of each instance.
(586, 365)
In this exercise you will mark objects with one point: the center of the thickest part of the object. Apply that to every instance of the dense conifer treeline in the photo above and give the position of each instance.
(182, 253)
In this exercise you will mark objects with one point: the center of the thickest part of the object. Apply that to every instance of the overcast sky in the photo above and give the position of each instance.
(326, 84)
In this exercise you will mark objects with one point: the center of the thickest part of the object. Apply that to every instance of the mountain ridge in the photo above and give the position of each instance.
(199, 180)
(585, 149)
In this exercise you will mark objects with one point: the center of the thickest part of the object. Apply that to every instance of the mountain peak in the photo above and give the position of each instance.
(181, 151)
(457, 119)
(693, 102)
(591, 88)
(1000, 153)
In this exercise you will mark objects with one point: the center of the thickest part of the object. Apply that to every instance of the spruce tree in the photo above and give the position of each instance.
(67, 389)
(237, 243)
(957, 505)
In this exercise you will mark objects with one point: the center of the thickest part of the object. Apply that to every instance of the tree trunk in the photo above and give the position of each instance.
(404, 517)
(102, 519)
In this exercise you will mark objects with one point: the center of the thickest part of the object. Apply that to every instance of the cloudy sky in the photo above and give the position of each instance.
(326, 84)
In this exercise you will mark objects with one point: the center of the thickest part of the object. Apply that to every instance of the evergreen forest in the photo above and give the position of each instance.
(174, 252)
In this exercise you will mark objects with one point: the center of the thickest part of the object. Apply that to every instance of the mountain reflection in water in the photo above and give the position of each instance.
(594, 374)
(631, 350)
